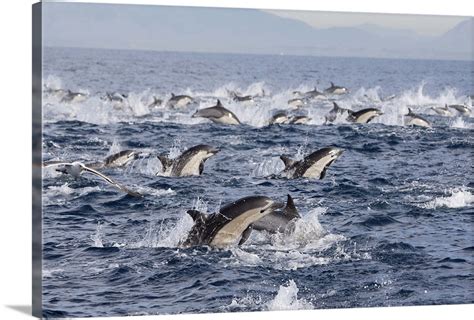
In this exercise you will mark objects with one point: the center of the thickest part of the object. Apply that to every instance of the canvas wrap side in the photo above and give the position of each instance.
(36, 160)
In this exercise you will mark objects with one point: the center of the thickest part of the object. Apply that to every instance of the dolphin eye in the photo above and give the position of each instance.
(262, 211)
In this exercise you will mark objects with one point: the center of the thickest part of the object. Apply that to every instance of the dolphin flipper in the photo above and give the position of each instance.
(245, 235)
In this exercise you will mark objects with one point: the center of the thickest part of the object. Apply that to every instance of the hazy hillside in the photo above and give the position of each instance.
(238, 31)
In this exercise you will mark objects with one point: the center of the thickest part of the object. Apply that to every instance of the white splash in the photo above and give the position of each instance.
(268, 167)
(256, 113)
(301, 248)
(115, 147)
(287, 299)
(97, 236)
(460, 197)
(460, 124)
(165, 235)
(176, 148)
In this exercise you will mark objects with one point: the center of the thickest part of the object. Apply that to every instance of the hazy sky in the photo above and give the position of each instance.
(424, 25)
(191, 29)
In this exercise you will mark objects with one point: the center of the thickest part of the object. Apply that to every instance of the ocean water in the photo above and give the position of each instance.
(391, 224)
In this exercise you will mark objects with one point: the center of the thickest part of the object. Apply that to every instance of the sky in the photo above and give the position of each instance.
(200, 29)
(421, 24)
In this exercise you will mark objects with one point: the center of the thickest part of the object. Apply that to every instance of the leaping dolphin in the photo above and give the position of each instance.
(189, 163)
(217, 114)
(412, 119)
(337, 111)
(279, 220)
(333, 89)
(179, 101)
(229, 225)
(313, 166)
(364, 115)
(442, 111)
(315, 94)
(462, 109)
(119, 159)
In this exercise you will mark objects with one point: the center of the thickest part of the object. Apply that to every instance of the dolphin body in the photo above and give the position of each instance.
(442, 111)
(361, 116)
(279, 117)
(70, 97)
(315, 94)
(239, 98)
(296, 102)
(333, 89)
(313, 166)
(119, 159)
(337, 111)
(278, 220)
(179, 101)
(299, 120)
(462, 109)
(412, 119)
(232, 223)
(189, 163)
(218, 114)
(364, 115)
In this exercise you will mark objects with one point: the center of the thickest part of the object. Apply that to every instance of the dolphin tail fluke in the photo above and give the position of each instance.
(165, 162)
(287, 161)
(290, 209)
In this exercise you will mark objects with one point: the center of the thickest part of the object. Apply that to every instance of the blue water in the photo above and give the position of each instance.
(391, 223)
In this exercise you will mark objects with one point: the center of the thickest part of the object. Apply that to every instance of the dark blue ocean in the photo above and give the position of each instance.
(391, 224)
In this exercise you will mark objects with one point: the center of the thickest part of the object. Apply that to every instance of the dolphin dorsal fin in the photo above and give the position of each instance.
(410, 112)
(332, 84)
(195, 214)
(336, 106)
(165, 161)
(172, 95)
(219, 104)
(287, 161)
(290, 209)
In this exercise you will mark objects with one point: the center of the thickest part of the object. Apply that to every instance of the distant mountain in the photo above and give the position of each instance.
(384, 32)
(459, 41)
(237, 31)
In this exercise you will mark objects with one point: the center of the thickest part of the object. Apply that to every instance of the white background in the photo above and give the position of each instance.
(15, 155)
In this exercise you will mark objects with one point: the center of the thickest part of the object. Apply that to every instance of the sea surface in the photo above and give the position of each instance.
(391, 224)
